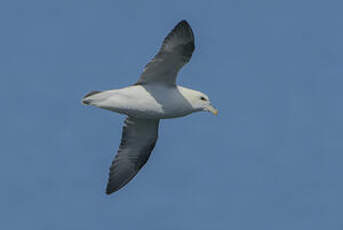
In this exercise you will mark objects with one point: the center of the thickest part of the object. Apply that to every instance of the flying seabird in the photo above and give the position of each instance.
(153, 97)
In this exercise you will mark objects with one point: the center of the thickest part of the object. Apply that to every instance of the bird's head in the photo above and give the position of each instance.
(199, 101)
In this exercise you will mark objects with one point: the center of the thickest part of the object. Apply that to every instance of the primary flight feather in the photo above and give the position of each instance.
(155, 96)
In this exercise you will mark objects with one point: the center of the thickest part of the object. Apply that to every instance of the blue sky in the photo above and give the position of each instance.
(271, 159)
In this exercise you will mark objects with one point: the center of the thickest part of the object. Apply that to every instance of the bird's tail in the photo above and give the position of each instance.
(86, 100)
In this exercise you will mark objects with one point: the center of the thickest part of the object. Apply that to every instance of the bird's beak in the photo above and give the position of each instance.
(211, 109)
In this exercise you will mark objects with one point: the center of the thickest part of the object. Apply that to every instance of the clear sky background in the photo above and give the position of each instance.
(271, 159)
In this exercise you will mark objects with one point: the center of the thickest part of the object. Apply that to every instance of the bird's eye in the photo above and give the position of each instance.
(202, 98)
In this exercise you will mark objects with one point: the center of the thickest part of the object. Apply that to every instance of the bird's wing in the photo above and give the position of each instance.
(138, 140)
(175, 52)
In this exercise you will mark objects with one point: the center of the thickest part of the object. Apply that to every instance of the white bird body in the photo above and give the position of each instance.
(146, 102)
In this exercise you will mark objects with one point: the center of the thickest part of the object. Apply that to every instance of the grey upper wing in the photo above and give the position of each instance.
(138, 140)
(175, 52)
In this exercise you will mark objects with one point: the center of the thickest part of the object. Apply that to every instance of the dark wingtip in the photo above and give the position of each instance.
(111, 189)
(184, 26)
(108, 192)
(183, 23)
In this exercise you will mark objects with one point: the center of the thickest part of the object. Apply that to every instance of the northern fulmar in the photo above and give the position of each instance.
(153, 97)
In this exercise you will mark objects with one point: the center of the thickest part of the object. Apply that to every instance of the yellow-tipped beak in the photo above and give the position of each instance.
(211, 109)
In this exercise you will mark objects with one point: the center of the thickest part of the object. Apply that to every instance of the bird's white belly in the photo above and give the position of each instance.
(145, 103)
